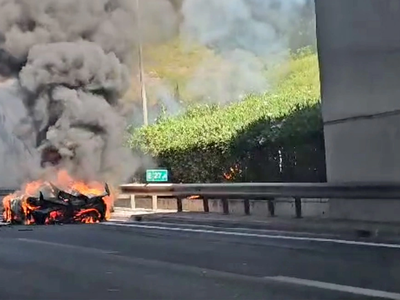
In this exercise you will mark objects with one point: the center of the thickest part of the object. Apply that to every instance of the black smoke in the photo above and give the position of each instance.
(72, 60)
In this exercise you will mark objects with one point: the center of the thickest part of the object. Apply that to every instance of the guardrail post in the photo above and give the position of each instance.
(154, 204)
(225, 206)
(133, 201)
(179, 204)
(206, 207)
(271, 207)
(247, 206)
(297, 204)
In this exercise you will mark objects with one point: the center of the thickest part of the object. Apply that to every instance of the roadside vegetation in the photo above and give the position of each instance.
(276, 136)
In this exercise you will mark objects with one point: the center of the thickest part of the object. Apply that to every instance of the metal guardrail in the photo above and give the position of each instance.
(262, 191)
(258, 191)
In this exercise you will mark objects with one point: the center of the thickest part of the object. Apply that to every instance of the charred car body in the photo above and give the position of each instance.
(59, 207)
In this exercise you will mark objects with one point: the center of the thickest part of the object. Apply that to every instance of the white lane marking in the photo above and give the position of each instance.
(267, 236)
(67, 246)
(282, 279)
(231, 228)
(336, 287)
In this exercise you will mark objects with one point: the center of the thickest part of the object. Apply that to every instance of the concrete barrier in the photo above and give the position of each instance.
(370, 210)
(359, 69)
(284, 207)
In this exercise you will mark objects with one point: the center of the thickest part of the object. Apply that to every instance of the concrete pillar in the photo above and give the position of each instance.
(359, 53)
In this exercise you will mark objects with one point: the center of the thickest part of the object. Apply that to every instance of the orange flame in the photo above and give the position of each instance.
(233, 171)
(65, 182)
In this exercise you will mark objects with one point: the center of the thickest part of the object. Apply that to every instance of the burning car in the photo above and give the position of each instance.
(44, 202)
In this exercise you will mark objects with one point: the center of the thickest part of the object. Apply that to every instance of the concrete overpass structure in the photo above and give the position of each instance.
(359, 50)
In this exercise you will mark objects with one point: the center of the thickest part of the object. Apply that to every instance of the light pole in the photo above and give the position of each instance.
(141, 71)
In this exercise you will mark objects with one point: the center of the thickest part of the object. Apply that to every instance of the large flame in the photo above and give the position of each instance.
(65, 182)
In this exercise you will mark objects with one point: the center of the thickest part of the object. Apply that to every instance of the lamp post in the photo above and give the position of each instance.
(141, 71)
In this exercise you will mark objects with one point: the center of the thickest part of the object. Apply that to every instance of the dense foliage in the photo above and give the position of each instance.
(274, 137)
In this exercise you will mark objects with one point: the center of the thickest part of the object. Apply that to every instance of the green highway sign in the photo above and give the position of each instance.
(157, 175)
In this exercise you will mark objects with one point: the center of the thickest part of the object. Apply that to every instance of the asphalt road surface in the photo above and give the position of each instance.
(155, 261)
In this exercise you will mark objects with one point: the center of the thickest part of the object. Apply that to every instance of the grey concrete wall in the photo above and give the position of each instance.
(359, 52)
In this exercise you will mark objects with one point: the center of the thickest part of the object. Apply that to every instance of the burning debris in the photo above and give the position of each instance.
(233, 172)
(64, 202)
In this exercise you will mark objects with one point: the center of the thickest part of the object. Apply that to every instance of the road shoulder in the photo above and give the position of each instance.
(354, 229)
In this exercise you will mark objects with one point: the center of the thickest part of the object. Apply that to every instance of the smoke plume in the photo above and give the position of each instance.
(247, 35)
(14, 153)
(73, 60)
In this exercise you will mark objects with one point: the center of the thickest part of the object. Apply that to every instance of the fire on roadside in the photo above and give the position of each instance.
(233, 171)
(63, 200)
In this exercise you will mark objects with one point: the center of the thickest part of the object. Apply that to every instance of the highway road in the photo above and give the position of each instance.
(156, 261)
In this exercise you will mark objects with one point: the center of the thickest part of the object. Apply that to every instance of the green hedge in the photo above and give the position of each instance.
(274, 137)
